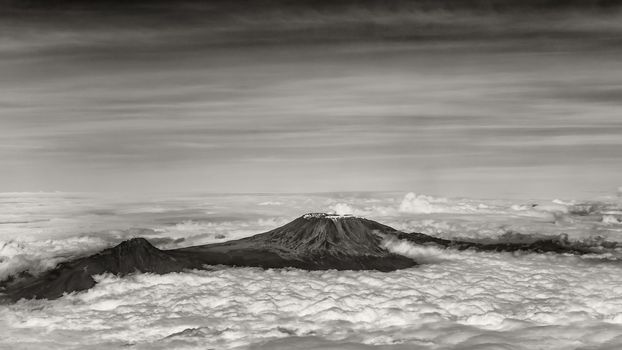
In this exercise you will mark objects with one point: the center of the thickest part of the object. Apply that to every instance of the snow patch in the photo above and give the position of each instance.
(326, 216)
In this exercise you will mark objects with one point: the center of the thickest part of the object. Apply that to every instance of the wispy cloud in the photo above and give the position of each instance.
(341, 97)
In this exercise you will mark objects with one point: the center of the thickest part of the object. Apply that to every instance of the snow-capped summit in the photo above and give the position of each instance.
(327, 234)
(327, 216)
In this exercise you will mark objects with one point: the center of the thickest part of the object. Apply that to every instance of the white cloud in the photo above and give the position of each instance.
(459, 300)
(363, 209)
(273, 203)
(421, 204)
(455, 300)
(611, 220)
(39, 256)
(413, 203)
(341, 209)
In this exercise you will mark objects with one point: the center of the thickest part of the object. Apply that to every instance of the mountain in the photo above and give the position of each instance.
(314, 241)
(133, 255)
(559, 245)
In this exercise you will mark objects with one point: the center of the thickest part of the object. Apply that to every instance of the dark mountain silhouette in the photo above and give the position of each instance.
(133, 255)
(312, 242)
(559, 245)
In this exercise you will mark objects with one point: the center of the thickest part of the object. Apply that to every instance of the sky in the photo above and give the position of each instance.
(453, 98)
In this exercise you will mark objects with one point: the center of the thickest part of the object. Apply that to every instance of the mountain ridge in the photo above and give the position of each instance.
(314, 241)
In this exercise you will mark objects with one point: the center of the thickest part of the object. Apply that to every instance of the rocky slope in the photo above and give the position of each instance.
(313, 242)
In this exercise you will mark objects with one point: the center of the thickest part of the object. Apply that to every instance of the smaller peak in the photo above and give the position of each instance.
(327, 216)
(134, 243)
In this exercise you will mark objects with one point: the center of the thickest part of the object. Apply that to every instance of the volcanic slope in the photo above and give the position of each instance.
(312, 242)
(136, 254)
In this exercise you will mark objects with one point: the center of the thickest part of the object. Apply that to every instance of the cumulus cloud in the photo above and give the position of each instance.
(362, 208)
(454, 300)
(553, 207)
(42, 229)
(611, 220)
(342, 209)
(413, 203)
(421, 204)
(36, 256)
(458, 300)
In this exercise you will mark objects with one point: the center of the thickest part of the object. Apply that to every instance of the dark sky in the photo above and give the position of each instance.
(477, 98)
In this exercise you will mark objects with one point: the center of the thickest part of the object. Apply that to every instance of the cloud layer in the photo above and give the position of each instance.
(455, 300)
(463, 300)
(39, 230)
(454, 98)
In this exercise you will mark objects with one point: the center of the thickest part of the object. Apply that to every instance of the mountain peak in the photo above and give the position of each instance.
(315, 241)
(326, 234)
(134, 242)
(327, 216)
(133, 246)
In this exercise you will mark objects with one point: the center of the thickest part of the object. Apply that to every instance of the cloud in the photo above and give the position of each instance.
(341, 209)
(188, 232)
(254, 87)
(271, 203)
(476, 298)
(413, 203)
(38, 256)
(422, 204)
(454, 300)
(611, 220)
